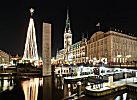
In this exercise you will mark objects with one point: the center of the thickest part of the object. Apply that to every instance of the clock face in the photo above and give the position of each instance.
(67, 40)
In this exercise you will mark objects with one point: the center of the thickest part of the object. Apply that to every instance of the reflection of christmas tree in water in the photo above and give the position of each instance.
(30, 88)
(30, 51)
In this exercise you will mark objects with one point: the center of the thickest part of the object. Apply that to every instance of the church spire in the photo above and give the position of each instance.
(67, 38)
(67, 28)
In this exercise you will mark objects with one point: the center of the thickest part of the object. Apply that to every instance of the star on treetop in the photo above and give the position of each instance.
(31, 11)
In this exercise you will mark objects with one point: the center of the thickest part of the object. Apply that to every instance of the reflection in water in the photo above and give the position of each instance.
(124, 96)
(47, 89)
(30, 88)
(6, 83)
(59, 83)
(67, 89)
(50, 88)
(117, 98)
(70, 89)
(121, 97)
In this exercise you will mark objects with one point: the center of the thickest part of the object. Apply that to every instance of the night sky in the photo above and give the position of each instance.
(84, 15)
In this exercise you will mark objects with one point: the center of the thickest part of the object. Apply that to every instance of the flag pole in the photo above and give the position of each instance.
(98, 24)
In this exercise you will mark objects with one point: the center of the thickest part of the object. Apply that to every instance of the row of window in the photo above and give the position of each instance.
(63, 71)
(124, 41)
(124, 47)
(124, 53)
(80, 60)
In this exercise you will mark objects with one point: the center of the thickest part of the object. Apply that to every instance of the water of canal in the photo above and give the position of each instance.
(46, 88)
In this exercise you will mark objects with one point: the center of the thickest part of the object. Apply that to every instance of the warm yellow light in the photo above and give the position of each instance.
(30, 88)
(94, 58)
(118, 55)
(128, 56)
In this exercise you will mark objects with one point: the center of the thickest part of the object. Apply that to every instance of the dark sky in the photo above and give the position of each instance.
(84, 15)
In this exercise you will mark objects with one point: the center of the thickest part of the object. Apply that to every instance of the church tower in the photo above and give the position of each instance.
(67, 38)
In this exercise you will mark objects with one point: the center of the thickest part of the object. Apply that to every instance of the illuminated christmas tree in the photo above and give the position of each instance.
(30, 51)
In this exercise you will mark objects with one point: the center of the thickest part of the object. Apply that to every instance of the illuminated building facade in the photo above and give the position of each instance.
(72, 53)
(60, 56)
(103, 47)
(112, 47)
(5, 58)
(77, 53)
